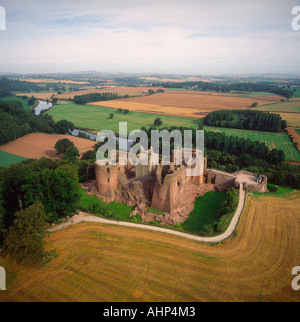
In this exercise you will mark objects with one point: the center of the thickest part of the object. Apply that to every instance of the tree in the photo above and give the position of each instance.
(57, 190)
(111, 115)
(254, 104)
(158, 122)
(89, 155)
(126, 111)
(24, 240)
(72, 154)
(120, 110)
(64, 127)
(62, 146)
(284, 124)
(32, 100)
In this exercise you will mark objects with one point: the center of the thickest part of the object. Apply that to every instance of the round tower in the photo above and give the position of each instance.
(106, 178)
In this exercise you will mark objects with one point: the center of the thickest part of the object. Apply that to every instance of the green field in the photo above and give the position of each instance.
(97, 118)
(298, 131)
(297, 93)
(286, 107)
(273, 140)
(19, 99)
(6, 159)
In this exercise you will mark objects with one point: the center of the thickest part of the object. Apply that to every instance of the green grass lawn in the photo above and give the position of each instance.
(281, 191)
(19, 99)
(279, 141)
(6, 159)
(205, 212)
(97, 118)
(119, 210)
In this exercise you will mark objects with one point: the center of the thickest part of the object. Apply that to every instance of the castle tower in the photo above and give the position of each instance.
(106, 179)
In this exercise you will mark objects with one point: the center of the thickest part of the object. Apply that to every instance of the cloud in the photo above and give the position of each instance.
(193, 36)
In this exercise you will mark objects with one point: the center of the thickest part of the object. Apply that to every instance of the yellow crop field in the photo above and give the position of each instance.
(184, 103)
(50, 81)
(108, 263)
(40, 96)
(293, 119)
(149, 108)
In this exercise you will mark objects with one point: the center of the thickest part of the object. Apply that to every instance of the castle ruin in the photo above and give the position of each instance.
(166, 187)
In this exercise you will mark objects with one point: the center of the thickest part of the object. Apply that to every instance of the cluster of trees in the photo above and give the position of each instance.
(158, 122)
(246, 120)
(96, 97)
(151, 91)
(121, 111)
(35, 187)
(15, 122)
(7, 86)
(245, 150)
(227, 88)
(67, 148)
(24, 239)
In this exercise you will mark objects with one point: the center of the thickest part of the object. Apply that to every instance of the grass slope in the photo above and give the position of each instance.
(205, 212)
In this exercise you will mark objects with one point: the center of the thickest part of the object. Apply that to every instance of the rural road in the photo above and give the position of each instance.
(93, 219)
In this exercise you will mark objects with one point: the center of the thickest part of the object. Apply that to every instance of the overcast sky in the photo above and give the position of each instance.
(156, 36)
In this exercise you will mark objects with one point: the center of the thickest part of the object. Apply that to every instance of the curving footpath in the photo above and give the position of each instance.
(88, 218)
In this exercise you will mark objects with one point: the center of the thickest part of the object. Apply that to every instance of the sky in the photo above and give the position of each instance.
(196, 37)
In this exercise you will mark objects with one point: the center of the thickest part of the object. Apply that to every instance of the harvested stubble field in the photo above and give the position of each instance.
(293, 119)
(40, 96)
(295, 133)
(182, 103)
(38, 145)
(53, 81)
(279, 141)
(108, 263)
(122, 91)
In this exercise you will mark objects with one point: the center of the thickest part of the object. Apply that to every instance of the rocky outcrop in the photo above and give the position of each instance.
(176, 217)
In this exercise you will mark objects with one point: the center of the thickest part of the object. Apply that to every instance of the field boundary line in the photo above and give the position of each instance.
(83, 217)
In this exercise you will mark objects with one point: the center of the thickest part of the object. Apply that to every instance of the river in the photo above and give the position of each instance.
(41, 107)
